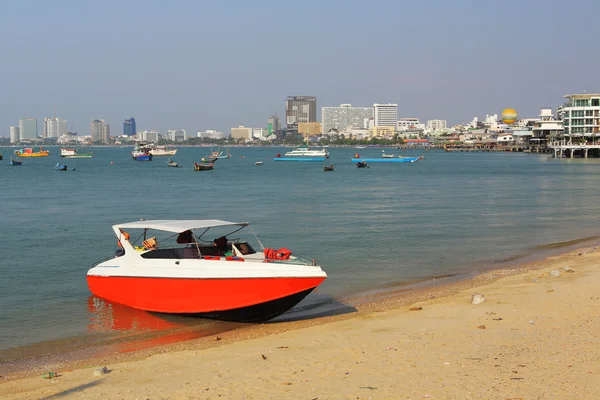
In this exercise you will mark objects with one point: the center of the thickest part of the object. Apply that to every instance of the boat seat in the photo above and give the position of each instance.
(150, 243)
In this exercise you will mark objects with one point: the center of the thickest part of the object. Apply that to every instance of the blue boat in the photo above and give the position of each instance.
(60, 167)
(143, 157)
(388, 160)
(15, 162)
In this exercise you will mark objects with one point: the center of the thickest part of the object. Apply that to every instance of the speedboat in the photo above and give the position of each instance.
(258, 163)
(170, 266)
(61, 167)
(362, 164)
(172, 163)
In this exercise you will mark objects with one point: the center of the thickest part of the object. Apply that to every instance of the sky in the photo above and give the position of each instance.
(197, 65)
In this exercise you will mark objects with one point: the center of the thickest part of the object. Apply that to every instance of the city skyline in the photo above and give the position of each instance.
(451, 61)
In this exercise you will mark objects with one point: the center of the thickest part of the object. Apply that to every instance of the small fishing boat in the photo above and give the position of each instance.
(172, 163)
(174, 266)
(209, 159)
(328, 167)
(61, 167)
(387, 160)
(362, 164)
(258, 163)
(15, 162)
(203, 167)
(383, 155)
(75, 153)
(28, 152)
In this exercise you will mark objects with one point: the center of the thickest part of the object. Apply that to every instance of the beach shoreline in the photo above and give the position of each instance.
(368, 307)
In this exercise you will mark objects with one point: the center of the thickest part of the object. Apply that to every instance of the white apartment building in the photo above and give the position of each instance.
(54, 127)
(385, 114)
(345, 117)
(581, 114)
(436, 125)
(404, 124)
(15, 136)
(97, 130)
(147, 136)
(28, 128)
(259, 133)
(210, 134)
(177, 135)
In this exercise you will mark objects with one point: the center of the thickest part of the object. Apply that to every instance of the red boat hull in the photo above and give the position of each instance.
(242, 299)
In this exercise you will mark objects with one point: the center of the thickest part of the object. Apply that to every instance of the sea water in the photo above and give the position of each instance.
(369, 228)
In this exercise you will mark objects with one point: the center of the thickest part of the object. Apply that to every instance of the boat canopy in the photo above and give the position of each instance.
(176, 225)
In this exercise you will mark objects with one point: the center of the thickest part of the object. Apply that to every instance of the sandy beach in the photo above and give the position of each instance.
(534, 337)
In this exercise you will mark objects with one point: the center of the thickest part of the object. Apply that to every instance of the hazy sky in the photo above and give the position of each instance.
(216, 64)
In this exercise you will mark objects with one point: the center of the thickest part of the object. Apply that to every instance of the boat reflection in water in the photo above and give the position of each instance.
(138, 330)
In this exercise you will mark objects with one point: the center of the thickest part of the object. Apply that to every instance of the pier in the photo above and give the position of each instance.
(566, 149)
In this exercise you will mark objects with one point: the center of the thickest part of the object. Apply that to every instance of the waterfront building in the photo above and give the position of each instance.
(385, 114)
(273, 125)
(547, 127)
(241, 132)
(129, 127)
(15, 136)
(259, 133)
(210, 134)
(177, 135)
(436, 125)
(345, 117)
(97, 130)
(147, 136)
(54, 127)
(581, 115)
(28, 129)
(300, 109)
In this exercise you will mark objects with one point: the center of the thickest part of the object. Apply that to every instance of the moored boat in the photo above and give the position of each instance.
(209, 159)
(328, 167)
(304, 153)
(29, 152)
(222, 278)
(362, 164)
(258, 163)
(387, 160)
(15, 162)
(172, 163)
(203, 166)
(158, 151)
(61, 167)
(75, 153)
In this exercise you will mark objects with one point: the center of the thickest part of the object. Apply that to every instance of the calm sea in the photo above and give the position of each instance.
(451, 213)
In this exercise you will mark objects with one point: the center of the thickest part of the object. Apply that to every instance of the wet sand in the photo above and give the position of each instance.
(534, 337)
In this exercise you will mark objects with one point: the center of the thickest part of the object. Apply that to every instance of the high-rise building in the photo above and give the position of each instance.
(300, 109)
(386, 114)
(345, 116)
(210, 134)
(99, 131)
(28, 128)
(105, 133)
(177, 135)
(54, 127)
(129, 127)
(273, 125)
(15, 137)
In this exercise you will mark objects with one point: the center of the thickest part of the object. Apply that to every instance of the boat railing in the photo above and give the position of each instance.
(102, 260)
(297, 259)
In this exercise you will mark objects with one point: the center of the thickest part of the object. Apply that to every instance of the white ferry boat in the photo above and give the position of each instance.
(305, 151)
